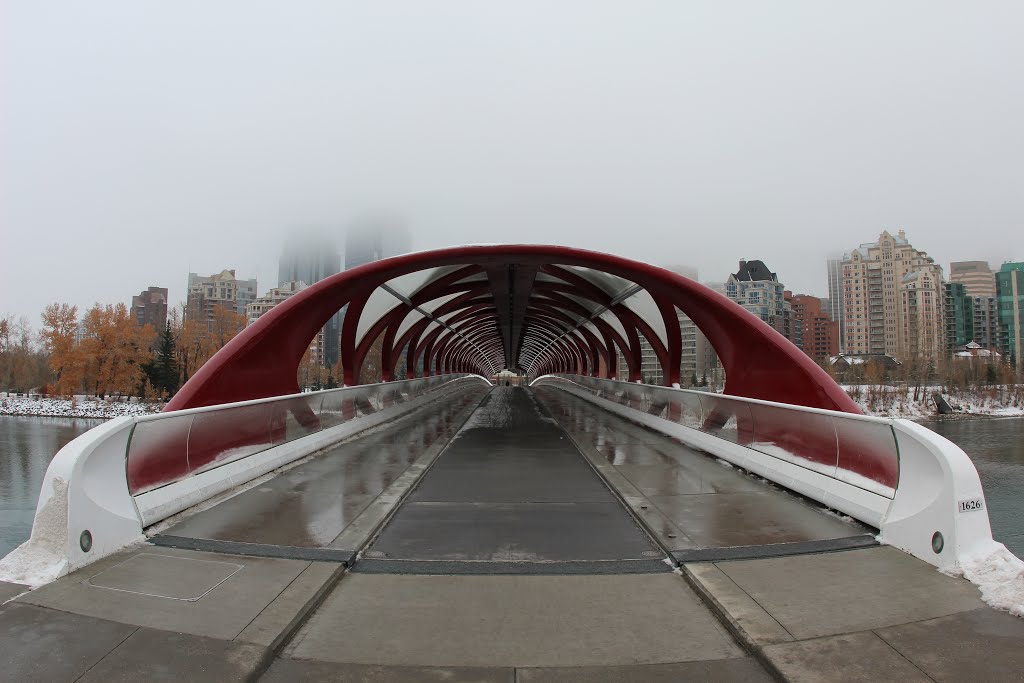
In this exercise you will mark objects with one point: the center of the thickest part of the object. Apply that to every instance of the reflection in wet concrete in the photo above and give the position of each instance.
(311, 504)
(512, 488)
(707, 501)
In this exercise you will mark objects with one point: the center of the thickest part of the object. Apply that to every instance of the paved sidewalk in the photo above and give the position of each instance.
(862, 615)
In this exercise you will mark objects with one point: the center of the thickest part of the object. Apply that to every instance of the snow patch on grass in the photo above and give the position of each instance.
(86, 407)
(899, 401)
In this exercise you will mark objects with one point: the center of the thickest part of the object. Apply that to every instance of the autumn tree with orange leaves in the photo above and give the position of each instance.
(197, 339)
(60, 322)
(115, 349)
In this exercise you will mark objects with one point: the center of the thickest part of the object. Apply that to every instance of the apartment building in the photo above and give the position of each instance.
(205, 294)
(1010, 296)
(813, 330)
(988, 333)
(976, 276)
(758, 290)
(836, 300)
(893, 299)
(149, 307)
(959, 312)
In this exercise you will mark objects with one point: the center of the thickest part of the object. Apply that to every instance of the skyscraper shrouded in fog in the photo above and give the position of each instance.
(373, 238)
(309, 258)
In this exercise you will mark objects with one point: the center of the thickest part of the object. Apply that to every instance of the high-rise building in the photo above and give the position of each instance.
(796, 318)
(261, 305)
(987, 331)
(836, 301)
(892, 299)
(976, 276)
(814, 331)
(759, 291)
(1010, 295)
(309, 259)
(959, 311)
(372, 239)
(205, 294)
(922, 334)
(150, 308)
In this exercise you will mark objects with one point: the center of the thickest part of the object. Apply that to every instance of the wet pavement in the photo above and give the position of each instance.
(312, 503)
(692, 501)
(512, 488)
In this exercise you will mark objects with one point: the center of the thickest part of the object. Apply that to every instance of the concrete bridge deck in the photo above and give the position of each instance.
(509, 535)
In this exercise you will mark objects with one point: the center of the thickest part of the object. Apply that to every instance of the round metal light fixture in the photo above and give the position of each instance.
(85, 541)
(937, 542)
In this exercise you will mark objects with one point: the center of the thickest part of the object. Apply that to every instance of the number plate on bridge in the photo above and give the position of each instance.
(971, 505)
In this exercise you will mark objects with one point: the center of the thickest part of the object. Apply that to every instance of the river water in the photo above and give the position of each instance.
(997, 448)
(28, 443)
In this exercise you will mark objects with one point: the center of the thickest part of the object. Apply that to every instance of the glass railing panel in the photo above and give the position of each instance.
(803, 438)
(157, 453)
(727, 419)
(301, 416)
(868, 455)
(337, 408)
(367, 403)
(171, 447)
(685, 409)
(637, 397)
(656, 401)
(222, 436)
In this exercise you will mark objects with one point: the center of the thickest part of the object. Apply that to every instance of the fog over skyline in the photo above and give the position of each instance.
(143, 140)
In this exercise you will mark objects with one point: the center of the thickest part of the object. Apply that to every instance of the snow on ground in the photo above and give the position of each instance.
(999, 574)
(889, 401)
(80, 407)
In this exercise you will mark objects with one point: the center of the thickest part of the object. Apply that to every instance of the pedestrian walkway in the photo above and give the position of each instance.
(525, 536)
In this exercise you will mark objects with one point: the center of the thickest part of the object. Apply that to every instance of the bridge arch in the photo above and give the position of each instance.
(532, 308)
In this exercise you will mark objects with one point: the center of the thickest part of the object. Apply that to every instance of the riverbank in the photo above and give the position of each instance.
(86, 407)
(887, 401)
(873, 400)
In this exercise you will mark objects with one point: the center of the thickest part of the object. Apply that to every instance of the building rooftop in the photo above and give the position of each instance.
(754, 271)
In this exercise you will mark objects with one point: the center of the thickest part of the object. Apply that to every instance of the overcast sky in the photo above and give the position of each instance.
(142, 140)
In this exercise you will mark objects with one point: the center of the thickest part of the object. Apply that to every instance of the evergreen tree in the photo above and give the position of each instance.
(165, 369)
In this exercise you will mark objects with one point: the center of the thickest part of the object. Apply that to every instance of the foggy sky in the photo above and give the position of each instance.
(142, 140)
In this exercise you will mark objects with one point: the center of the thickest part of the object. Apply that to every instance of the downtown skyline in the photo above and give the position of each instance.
(146, 141)
(813, 272)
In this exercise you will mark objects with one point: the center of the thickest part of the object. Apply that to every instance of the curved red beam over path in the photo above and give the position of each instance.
(529, 308)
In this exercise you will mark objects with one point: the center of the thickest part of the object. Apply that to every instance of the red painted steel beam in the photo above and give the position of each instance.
(759, 362)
